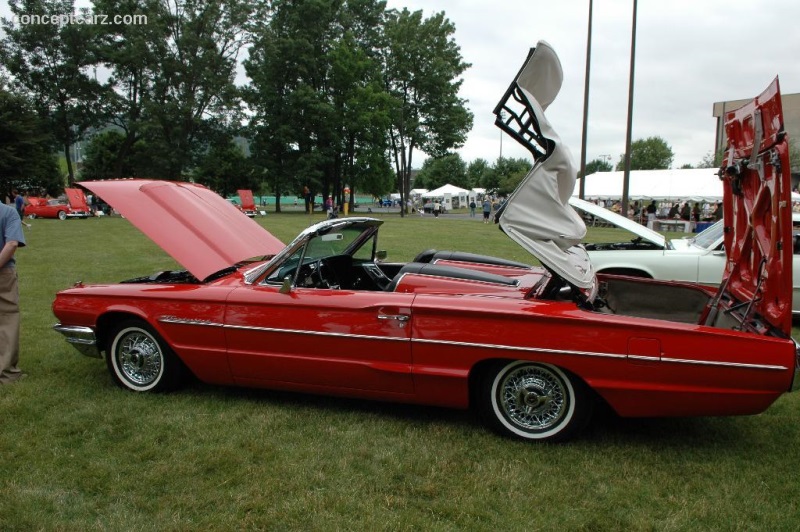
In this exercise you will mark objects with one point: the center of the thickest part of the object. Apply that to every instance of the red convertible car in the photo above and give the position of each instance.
(72, 206)
(532, 349)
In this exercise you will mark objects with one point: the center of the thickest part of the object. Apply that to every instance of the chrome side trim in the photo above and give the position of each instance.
(725, 364)
(519, 348)
(81, 338)
(317, 333)
(604, 355)
(499, 347)
(188, 321)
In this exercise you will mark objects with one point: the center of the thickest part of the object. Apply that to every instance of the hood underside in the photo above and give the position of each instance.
(76, 198)
(198, 228)
(619, 221)
(758, 210)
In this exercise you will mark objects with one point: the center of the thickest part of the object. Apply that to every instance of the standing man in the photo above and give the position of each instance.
(11, 238)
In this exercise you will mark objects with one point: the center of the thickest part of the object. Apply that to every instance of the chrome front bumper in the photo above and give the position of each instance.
(81, 338)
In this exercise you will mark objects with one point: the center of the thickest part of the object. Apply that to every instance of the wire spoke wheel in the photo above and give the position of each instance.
(533, 398)
(139, 360)
(534, 401)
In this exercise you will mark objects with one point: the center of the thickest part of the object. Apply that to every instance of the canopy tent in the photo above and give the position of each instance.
(451, 195)
(661, 185)
(445, 189)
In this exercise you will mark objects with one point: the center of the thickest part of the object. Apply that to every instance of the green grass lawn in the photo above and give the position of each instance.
(78, 453)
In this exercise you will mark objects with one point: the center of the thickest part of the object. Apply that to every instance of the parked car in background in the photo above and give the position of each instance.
(532, 350)
(698, 259)
(73, 205)
(246, 203)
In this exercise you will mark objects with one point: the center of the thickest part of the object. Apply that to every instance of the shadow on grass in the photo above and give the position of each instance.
(605, 429)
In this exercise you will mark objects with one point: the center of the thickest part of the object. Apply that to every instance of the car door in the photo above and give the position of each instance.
(317, 338)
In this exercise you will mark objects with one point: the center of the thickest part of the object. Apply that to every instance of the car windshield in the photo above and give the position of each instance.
(336, 242)
(707, 238)
(339, 241)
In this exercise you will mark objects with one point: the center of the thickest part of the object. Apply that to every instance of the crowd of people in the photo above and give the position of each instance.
(680, 210)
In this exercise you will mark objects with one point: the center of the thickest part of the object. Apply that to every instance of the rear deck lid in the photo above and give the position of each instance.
(758, 211)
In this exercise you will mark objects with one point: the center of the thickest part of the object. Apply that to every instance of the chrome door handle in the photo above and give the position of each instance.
(397, 317)
(400, 318)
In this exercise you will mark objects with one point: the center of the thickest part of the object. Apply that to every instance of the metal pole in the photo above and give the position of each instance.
(627, 174)
(582, 188)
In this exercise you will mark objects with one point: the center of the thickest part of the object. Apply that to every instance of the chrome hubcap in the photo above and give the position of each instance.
(139, 358)
(533, 398)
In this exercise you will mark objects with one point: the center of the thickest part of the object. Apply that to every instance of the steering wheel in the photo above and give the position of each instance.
(325, 275)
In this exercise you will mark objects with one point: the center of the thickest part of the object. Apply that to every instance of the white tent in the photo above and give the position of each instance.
(452, 196)
(445, 189)
(660, 185)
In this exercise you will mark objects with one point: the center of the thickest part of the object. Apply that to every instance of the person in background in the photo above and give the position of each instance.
(487, 209)
(686, 212)
(11, 238)
(472, 207)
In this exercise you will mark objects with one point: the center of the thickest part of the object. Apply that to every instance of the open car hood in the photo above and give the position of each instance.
(619, 221)
(76, 199)
(757, 210)
(247, 200)
(537, 215)
(198, 228)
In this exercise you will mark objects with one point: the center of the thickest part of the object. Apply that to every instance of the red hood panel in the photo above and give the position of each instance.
(76, 199)
(758, 209)
(198, 228)
(246, 197)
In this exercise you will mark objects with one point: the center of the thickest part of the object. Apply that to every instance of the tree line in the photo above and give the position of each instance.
(338, 93)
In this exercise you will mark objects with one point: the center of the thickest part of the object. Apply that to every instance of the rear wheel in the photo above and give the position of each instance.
(534, 401)
(140, 361)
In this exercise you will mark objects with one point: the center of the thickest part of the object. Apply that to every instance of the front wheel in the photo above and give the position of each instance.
(534, 401)
(62, 215)
(140, 361)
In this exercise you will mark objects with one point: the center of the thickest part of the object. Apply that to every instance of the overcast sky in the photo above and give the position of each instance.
(689, 54)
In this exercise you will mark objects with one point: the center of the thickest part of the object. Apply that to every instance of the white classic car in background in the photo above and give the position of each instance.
(699, 259)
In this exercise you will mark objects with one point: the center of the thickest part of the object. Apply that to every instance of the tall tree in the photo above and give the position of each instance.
(476, 172)
(26, 148)
(509, 173)
(130, 52)
(319, 119)
(598, 165)
(439, 171)
(225, 169)
(423, 65)
(652, 153)
(290, 114)
(52, 63)
(173, 77)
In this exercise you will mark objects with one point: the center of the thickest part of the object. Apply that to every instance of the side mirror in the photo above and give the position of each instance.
(381, 255)
(286, 287)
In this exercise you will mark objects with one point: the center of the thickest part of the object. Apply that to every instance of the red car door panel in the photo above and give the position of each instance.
(321, 338)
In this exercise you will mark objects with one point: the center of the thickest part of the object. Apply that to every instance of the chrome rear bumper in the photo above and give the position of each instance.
(81, 338)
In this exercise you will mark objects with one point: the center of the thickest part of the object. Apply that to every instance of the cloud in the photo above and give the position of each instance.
(689, 54)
